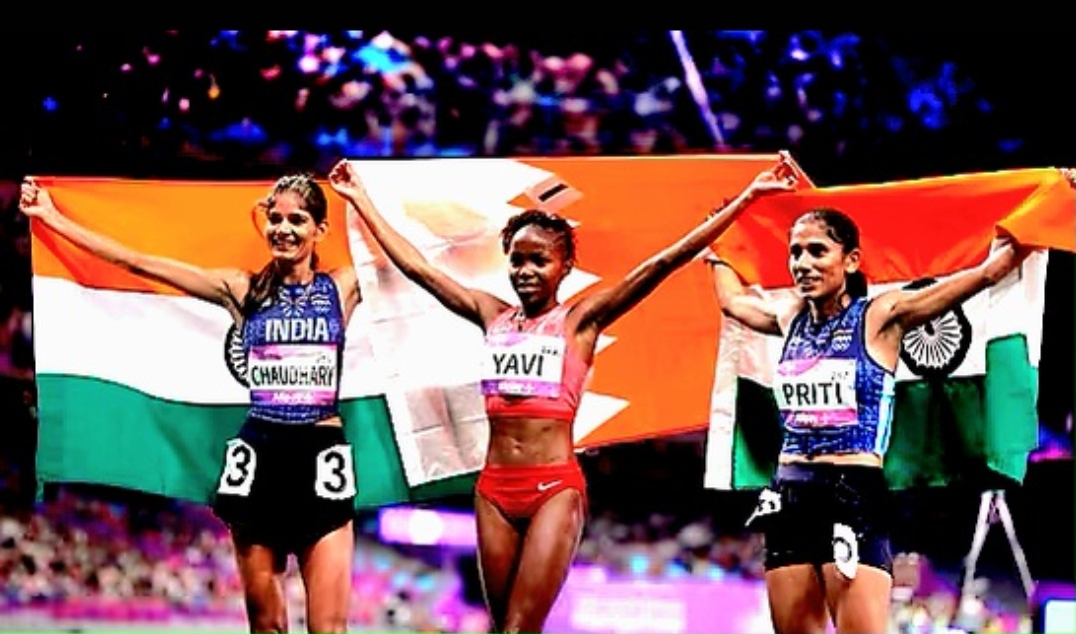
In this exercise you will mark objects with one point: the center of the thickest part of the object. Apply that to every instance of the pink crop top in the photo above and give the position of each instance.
(532, 370)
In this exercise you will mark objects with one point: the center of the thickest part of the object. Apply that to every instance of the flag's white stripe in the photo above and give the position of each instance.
(604, 341)
(482, 188)
(481, 184)
(594, 411)
(1017, 304)
(440, 431)
(166, 346)
(720, 436)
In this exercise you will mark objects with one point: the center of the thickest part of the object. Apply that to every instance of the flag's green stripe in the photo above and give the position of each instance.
(100, 432)
(1012, 413)
(758, 435)
(978, 429)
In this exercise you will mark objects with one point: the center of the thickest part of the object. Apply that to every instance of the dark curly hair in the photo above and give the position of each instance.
(842, 230)
(548, 221)
(265, 282)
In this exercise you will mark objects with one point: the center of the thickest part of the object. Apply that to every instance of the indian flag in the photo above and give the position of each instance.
(140, 386)
(966, 382)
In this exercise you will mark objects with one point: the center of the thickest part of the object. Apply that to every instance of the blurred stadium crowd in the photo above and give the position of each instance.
(237, 101)
(244, 104)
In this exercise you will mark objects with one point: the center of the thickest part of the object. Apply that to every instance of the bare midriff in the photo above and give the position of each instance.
(521, 441)
(332, 421)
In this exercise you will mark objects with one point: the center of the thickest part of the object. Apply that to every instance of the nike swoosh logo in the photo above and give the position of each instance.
(545, 486)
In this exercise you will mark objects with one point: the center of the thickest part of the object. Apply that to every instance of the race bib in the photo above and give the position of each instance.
(845, 550)
(523, 364)
(240, 462)
(293, 374)
(335, 473)
(816, 392)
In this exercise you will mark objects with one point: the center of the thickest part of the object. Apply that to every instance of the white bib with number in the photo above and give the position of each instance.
(335, 473)
(240, 463)
(817, 392)
(293, 374)
(523, 364)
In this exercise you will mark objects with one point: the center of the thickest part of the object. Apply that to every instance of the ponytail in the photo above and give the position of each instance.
(263, 285)
(855, 284)
(265, 282)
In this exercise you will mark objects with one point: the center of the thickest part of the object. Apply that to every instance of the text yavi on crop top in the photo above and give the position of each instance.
(530, 370)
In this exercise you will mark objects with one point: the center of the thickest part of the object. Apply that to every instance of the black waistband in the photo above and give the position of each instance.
(825, 472)
(261, 426)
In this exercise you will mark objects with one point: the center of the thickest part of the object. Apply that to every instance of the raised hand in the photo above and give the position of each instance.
(1070, 174)
(1005, 255)
(345, 180)
(34, 200)
(780, 178)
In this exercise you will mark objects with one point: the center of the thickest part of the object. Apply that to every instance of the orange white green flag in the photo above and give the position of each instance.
(966, 382)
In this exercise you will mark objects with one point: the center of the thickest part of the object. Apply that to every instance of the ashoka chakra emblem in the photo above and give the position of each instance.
(234, 356)
(937, 348)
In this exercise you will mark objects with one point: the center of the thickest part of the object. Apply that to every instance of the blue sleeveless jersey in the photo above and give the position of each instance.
(832, 396)
(294, 345)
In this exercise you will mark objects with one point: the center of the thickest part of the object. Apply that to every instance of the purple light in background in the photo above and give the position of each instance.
(426, 527)
(593, 603)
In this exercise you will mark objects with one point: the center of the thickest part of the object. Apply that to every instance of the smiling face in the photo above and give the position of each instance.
(295, 219)
(819, 264)
(541, 252)
(536, 265)
(291, 231)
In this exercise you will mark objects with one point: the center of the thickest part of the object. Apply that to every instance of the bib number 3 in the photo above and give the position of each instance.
(240, 461)
(335, 473)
